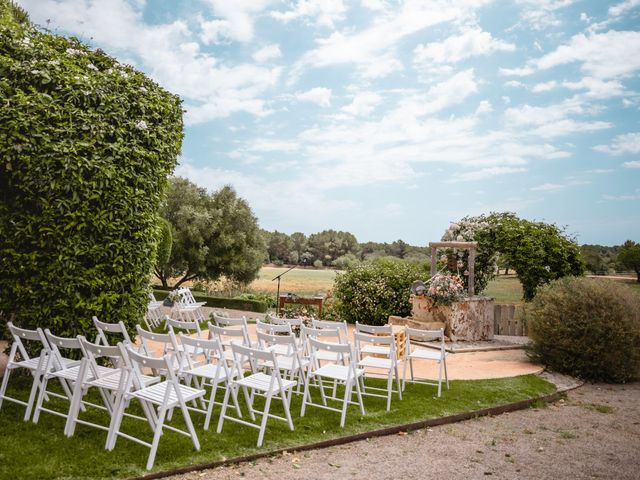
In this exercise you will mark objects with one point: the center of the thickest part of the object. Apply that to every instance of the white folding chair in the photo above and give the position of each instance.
(379, 361)
(104, 329)
(160, 344)
(186, 306)
(207, 374)
(438, 354)
(272, 386)
(375, 330)
(65, 370)
(158, 399)
(154, 315)
(110, 382)
(230, 335)
(275, 329)
(333, 325)
(288, 353)
(346, 374)
(19, 358)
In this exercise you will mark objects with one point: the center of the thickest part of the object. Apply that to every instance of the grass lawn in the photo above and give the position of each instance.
(35, 451)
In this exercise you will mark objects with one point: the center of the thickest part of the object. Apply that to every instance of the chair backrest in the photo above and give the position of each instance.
(60, 343)
(20, 335)
(374, 329)
(230, 335)
(167, 343)
(92, 351)
(343, 350)
(272, 328)
(188, 326)
(387, 340)
(137, 361)
(254, 356)
(222, 321)
(294, 322)
(423, 336)
(331, 324)
(211, 348)
(266, 340)
(104, 328)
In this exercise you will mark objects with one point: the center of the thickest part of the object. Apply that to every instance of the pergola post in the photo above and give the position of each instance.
(471, 246)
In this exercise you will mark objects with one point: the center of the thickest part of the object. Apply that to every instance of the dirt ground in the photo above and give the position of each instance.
(594, 433)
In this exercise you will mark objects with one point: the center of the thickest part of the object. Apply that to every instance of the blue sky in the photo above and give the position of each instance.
(391, 119)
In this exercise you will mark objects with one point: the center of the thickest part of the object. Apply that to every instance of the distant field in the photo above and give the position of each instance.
(303, 281)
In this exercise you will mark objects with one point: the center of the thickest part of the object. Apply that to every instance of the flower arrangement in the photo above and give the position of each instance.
(445, 289)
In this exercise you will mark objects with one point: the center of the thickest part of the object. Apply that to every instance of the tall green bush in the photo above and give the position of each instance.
(586, 327)
(86, 145)
(372, 291)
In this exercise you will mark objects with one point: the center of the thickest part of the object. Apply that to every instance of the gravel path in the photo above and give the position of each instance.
(594, 433)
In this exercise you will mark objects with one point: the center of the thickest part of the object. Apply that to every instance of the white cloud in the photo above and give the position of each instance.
(624, 198)
(373, 50)
(484, 174)
(514, 84)
(544, 87)
(363, 104)
(626, 143)
(324, 12)
(319, 95)
(235, 22)
(484, 107)
(597, 88)
(548, 187)
(470, 43)
(517, 72)
(541, 14)
(623, 7)
(632, 164)
(265, 54)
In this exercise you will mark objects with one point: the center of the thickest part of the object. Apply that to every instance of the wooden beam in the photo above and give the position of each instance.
(472, 266)
(433, 261)
(463, 245)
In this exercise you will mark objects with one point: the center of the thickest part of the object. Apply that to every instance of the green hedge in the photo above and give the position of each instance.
(588, 328)
(372, 291)
(222, 302)
(86, 145)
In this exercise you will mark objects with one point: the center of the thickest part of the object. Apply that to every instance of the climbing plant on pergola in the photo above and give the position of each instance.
(539, 252)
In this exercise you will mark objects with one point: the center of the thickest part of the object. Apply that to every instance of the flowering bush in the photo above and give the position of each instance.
(445, 289)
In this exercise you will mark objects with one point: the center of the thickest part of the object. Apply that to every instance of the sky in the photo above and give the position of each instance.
(392, 119)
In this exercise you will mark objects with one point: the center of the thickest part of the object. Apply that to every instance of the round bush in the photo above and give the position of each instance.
(372, 291)
(86, 145)
(588, 328)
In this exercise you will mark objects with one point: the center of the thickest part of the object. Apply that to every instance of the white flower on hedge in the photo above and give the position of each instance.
(124, 74)
(142, 89)
(141, 125)
(74, 51)
(91, 66)
(53, 62)
(36, 72)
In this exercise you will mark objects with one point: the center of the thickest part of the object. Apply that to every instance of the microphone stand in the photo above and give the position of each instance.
(278, 294)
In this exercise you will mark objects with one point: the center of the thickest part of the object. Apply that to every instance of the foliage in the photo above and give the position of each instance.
(165, 241)
(629, 256)
(213, 235)
(345, 261)
(586, 327)
(445, 289)
(267, 299)
(86, 145)
(372, 291)
(12, 12)
(328, 245)
(538, 251)
(317, 264)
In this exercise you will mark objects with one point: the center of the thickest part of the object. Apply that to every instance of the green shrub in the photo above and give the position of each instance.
(86, 146)
(589, 328)
(372, 291)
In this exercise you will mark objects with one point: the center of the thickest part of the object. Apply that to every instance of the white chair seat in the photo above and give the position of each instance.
(111, 381)
(328, 356)
(73, 372)
(261, 381)
(375, 350)
(286, 362)
(376, 362)
(156, 393)
(209, 371)
(336, 372)
(31, 364)
(426, 354)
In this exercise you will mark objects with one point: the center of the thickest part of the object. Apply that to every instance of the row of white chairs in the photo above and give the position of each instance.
(273, 366)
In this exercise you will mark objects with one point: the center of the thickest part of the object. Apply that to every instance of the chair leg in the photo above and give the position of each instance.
(439, 378)
(389, 388)
(192, 431)
(41, 395)
(347, 396)
(446, 376)
(361, 403)
(223, 411)
(395, 368)
(32, 394)
(156, 438)
(287, 407)
(265, 417)
(306, 394)
(404, 373)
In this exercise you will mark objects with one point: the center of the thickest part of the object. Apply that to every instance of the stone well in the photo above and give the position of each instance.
(470, 319)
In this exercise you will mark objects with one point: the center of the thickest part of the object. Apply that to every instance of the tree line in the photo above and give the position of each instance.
(206, 236)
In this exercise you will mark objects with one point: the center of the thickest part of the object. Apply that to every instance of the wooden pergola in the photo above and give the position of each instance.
(471, 246)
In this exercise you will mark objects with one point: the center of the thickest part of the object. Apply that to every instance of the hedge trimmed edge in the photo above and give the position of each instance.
(222, 302)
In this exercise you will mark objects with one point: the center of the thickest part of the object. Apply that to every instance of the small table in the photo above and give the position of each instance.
(300, 301)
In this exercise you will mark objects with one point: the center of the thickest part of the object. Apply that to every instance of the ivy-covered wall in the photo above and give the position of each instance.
(86, 145)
